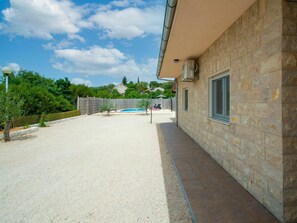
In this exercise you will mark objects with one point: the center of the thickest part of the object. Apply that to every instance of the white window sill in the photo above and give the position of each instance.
(219, 121)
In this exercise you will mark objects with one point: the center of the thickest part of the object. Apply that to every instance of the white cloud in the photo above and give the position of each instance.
(130, 22)
(97, 61)
(81, 81)
(60, 45)
(121, 3)
(119, 19)
(43, 18)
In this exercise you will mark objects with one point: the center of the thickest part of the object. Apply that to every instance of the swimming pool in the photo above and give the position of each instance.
(131, 110)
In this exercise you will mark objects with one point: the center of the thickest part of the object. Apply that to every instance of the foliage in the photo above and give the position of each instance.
(38, 100)
(26, 126)
(42, 122)
(61, 115)
(34, 119)
(124, 81)
(144, 103)
(11, 108)
(154, 84)
(107, 107)
(25, 120)
(46, 95)
(107, 92)
(81, 90)
(63, 89)
(41, 94)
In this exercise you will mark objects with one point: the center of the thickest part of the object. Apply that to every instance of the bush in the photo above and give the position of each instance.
(41, 122)
(34, 119)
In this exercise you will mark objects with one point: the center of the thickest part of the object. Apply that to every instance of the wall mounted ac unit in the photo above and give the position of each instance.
(189, 70)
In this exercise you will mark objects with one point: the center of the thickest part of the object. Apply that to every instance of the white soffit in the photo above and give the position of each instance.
(196, 25)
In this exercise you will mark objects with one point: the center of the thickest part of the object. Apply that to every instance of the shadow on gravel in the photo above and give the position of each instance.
(176, 202)
(25, 137)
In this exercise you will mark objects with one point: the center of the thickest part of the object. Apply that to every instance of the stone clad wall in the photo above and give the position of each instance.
(250, 148)
(289, 98)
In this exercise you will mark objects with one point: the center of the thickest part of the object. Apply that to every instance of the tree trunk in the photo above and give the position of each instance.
(6, 131)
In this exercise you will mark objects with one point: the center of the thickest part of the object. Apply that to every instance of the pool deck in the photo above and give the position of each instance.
(213, 195)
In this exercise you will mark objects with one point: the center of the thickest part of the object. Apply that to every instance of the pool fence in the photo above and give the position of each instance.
(91, 105)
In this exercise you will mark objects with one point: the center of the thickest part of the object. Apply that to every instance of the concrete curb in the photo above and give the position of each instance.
(35, 127)
(21, 132)
(60, 120)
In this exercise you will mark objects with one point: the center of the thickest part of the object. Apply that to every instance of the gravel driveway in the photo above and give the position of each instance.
(91, 169)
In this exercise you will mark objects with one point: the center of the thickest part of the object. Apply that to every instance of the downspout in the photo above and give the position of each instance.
(176, 102)
(167, 24)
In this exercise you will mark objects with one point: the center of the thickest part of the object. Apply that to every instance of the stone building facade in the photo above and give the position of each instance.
(258, 145)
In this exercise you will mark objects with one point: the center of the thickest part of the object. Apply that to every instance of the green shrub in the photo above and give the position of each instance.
(41, 121)
(26, 126)
(34, 119)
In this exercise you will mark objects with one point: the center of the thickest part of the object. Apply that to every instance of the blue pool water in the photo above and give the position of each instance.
(131, 110)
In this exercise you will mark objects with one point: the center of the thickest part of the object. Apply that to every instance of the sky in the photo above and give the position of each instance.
(91, 42)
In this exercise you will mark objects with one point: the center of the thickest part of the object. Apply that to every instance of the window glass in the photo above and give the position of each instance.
(228, 96)
(186, 99)
(221, 98)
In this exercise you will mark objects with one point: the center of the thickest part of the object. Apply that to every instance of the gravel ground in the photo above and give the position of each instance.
(91, 169)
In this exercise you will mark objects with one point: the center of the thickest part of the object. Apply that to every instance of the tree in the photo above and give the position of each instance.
(154, 84)
(107, 92)
(142, 87)
(81, 90)
(124, 81)
(38, 100)
(11, 108)
(63, 88)
(108, 107)
(144, 103)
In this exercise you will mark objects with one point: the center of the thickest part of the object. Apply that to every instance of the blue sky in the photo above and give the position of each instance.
(95, 42)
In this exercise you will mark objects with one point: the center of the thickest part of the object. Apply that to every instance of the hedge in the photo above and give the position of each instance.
(34, 119)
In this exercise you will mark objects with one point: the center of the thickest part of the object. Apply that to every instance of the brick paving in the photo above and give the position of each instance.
(213, 195)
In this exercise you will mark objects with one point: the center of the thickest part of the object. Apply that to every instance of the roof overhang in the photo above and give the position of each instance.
(196, 24)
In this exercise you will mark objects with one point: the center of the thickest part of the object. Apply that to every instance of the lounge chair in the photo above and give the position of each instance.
(158, 106)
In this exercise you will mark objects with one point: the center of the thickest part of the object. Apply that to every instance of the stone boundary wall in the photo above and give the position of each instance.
(91, 105)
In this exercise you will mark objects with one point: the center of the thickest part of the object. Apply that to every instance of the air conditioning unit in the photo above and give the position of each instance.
(189, 70)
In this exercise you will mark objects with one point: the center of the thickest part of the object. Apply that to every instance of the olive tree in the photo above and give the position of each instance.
(108, 107)
(144, 103)
(10, 108)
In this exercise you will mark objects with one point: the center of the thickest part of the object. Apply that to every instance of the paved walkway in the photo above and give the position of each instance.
(214, 196)
(91, 169)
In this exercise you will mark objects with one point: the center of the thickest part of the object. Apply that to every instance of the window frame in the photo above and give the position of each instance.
(225, 78)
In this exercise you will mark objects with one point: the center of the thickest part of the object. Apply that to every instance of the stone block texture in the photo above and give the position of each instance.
(259, 145)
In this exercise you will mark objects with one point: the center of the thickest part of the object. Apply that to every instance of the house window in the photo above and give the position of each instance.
(185, 100)
(220, 91)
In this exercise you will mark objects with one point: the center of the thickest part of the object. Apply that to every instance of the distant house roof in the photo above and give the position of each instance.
(121, 88)
(158, 88)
